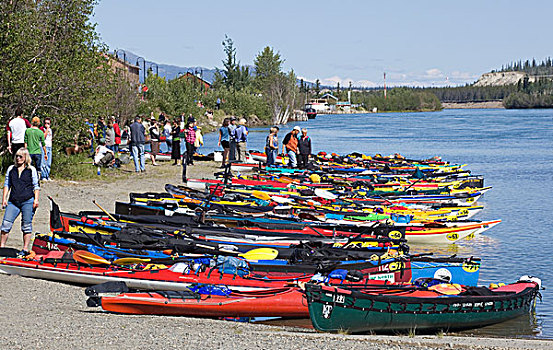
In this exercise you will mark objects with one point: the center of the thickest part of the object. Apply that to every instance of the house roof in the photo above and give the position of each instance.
(189, 75)
(328, 95)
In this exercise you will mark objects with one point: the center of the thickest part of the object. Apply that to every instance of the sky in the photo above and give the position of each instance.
(416, 42)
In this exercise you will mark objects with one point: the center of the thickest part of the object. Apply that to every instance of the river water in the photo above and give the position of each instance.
(513, 149)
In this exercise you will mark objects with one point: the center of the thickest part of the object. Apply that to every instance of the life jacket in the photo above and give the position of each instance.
(292, 144)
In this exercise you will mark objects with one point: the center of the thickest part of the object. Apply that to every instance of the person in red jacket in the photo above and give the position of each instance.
(117, 130)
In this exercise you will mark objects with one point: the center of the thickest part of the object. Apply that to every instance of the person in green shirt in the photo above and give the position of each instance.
(34, 141)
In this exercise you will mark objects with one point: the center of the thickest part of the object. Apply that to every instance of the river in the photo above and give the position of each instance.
(513, 149)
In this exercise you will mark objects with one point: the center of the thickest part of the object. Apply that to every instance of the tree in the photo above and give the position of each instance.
(52, 64)
(268, 65)
(317, 86)
(280, 89)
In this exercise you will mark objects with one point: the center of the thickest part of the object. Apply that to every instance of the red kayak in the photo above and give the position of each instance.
(282, 302)
(179, 276)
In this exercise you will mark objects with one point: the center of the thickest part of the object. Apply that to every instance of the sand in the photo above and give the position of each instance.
(37, 314)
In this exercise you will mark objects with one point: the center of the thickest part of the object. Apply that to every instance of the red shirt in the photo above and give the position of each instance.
(117, 133)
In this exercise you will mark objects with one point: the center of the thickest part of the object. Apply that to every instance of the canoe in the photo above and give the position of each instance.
(282, 302)
(412, 309)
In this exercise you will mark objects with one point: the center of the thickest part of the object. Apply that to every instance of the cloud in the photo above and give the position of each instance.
(399, 77)
(433, 73)
(344, 82)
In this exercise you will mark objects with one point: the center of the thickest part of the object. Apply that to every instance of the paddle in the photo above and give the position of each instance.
(261, 195)
(86, 257)
(260, 254)
(325, 194)
(102, 209)
(130, 261)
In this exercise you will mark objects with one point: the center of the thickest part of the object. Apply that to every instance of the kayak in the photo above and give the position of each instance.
(282, 302)
(397, 309)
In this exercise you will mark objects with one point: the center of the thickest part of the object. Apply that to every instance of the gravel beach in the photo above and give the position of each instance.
(38, 314)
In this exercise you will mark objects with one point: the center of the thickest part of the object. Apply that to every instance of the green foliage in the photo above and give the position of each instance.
(268, 65)
(471, 93)
(528, 100)
(52, 65)
(279, 89)
(398, 99)
(545, 67)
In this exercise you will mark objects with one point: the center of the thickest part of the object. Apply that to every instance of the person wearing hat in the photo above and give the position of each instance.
(232, 140)
(35, 144)
(103, 156)
(241, 137)
(290, 146)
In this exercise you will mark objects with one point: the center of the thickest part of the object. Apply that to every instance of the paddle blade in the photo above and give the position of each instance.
(86, 257)
(260, 254)
(261, 195)
(130, 261)
(325, 194)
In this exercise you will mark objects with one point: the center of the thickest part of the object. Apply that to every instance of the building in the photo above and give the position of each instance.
(130, 71)
(196, 80)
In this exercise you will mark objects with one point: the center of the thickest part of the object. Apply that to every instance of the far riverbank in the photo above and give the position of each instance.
(472, 105)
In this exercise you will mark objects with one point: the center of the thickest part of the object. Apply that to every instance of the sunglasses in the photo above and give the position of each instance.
(19, 156)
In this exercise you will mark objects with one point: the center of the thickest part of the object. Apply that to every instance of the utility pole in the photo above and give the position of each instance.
(384, 85)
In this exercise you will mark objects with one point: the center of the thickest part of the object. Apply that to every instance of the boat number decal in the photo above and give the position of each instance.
(452, 236)
(463, 212)
(396, 265)
(470, 200)
(338, 298)
(470, 267)
(394, 235)
(327, 310)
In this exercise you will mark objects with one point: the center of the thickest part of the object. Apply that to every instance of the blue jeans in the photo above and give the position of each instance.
(271, 156)
(37, 161)
(12, 212)
(293, 161)
(137, 151)
(47, 164)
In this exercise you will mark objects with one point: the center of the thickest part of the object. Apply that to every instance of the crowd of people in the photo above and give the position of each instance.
(180, 137)
(31, 145)
(233, 138)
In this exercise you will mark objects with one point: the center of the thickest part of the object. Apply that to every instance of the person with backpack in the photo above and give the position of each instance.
(232, 143)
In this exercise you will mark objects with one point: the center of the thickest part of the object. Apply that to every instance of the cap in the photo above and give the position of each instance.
(233, 118)
(297, 128)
